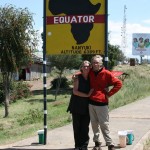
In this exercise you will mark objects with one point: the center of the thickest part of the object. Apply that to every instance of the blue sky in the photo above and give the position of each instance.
(137, 18)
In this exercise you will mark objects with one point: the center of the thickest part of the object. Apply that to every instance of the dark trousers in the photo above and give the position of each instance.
(81, 129)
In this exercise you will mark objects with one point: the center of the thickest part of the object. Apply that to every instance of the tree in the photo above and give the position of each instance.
(114, 55)
(87, 57)
(18, 40)
(62, 62)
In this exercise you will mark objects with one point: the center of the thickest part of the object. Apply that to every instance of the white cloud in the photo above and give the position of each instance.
(146, 21)
(114, 28)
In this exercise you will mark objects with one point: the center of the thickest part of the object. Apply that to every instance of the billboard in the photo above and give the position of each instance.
(75, 26)
(141, 43)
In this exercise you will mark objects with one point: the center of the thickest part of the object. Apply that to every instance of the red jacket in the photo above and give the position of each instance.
(101, 82)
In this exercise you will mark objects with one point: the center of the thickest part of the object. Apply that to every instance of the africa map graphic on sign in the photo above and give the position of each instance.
(79, 13)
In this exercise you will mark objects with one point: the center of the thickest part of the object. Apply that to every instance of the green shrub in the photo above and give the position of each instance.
(64, 83)
(18, 90)
(32, 116)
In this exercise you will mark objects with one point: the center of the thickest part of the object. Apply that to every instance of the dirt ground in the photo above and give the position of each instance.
(38, 84)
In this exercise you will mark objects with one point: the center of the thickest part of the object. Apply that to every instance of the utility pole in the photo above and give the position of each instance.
(123, 32)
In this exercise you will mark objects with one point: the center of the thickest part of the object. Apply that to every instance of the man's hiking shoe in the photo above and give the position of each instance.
(97, 146)
(111, 147)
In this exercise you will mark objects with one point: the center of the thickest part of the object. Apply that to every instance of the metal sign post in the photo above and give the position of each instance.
(106, 34)
(44, 73)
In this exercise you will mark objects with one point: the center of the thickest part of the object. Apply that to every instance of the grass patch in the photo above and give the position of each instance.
(26, 117)
(135, 87)
(147, 145)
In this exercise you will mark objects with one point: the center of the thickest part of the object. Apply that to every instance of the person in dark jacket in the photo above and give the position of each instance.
(78, 107)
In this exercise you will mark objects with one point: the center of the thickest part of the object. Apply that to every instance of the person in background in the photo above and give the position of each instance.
(135, 43)
(78, 106)
(100, 80)
(147, 43)
(141, 43)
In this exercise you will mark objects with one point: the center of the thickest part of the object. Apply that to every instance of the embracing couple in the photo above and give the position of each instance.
(89, 102)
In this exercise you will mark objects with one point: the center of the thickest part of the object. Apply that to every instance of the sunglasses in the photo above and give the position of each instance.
(86, 66)
(95, 62)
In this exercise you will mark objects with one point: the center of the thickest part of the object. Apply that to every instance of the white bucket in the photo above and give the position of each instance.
(122, 138)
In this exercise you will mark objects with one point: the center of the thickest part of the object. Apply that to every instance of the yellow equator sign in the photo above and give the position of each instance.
(75, 27)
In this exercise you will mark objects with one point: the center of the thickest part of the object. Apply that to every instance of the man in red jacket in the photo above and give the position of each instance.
(100, 80)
